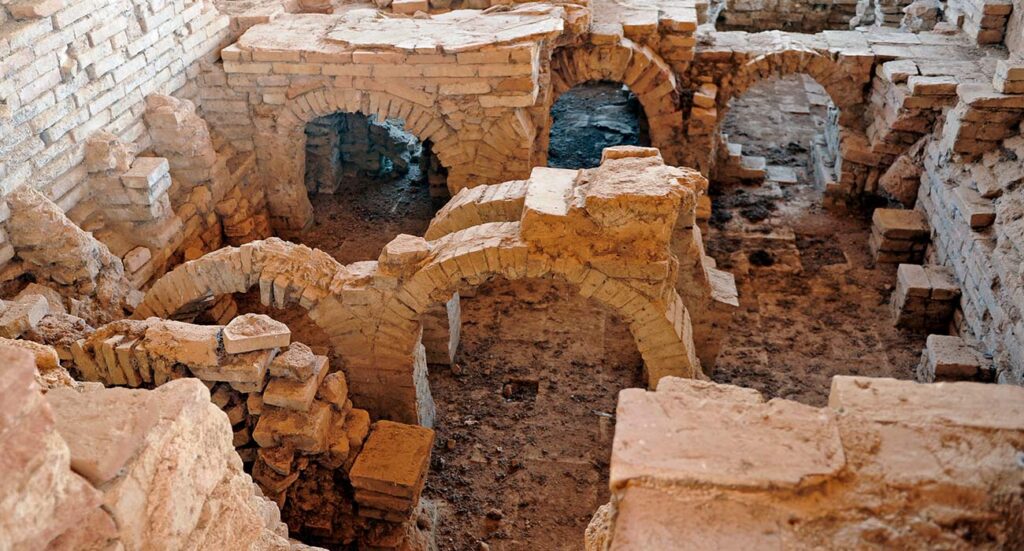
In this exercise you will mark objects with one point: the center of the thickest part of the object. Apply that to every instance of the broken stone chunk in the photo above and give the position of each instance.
(250, 332)
(305, 431)
(296, 363)
(22, 315)
(55, 300)
(947, 358)
(334, 389)
(293, 394)
(184, 343)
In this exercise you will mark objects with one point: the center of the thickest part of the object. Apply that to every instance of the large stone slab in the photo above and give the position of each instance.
(682, 438)
(964, 404)
(452, 32)
(103, 429)
(394, 459)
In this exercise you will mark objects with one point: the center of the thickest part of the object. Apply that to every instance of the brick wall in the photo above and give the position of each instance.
(72, 68)
(786, 15)
(986, 261)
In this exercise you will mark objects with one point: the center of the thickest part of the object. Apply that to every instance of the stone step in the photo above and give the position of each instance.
(752, 168)
(735, 150)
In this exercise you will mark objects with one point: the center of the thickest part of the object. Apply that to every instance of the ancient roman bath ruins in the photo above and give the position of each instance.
(475, 274)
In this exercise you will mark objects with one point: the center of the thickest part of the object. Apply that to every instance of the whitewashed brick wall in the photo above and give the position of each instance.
(70, 68)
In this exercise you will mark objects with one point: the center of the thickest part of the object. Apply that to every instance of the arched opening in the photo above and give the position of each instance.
(590, 117)
(812, 302)
(525, 415)
(368, 180)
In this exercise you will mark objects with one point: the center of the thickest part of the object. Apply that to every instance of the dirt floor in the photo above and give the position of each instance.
(526, 416)
(812, 302)
(591, 117)
(356, 222)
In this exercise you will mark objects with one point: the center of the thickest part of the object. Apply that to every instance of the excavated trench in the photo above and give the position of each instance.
(525, 415)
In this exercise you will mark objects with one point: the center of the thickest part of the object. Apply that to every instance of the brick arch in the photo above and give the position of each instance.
(846, 92)
(284, 151)
(286, 274)
(380, 340)
(636, 66)
(843, 80)
(477, 254)
(573, 227)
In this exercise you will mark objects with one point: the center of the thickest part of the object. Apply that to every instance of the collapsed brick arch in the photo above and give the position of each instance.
(606, 232)
(636, 66)
(477, 254)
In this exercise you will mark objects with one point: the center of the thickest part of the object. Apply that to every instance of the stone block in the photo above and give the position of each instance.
(976, 210)
(185, 343)
(410, 7)
(21, 315)
(683, 438)
(295, 394)
(298, 363)
(250, 332)
(306, 431)
(247, 367)
(903, 224)
(146, 172)
(394, 460)
(948, 358)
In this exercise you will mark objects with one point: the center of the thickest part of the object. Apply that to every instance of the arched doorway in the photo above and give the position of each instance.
(812, 302)
(368, 180)
(590, 117)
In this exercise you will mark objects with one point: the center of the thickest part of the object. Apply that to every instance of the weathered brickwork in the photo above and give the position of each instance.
(559, 232)
(749, 472)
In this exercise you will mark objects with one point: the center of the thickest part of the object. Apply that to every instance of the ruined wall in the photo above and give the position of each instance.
(345, 146)
(73, 68)
(803, 16)
(984, 255)
(290, 420)
(702, 465)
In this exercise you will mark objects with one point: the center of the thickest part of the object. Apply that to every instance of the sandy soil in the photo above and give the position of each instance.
(812, 302)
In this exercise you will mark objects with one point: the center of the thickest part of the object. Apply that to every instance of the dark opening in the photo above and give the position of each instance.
(590, 117)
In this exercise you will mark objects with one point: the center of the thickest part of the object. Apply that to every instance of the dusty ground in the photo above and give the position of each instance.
(355, 223)
(524, 423)
(591, 117)
(812, 302)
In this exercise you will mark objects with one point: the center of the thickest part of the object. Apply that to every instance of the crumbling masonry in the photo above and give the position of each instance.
(162, 163)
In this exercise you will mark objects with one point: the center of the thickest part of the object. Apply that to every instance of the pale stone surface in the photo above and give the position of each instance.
(895, 438)
(184, 343)
(753, 445)
(250, 332)
(103, 429)
(40, 496)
